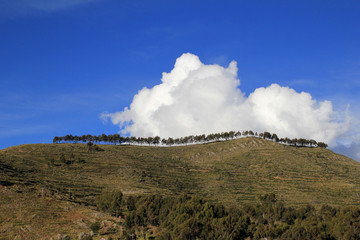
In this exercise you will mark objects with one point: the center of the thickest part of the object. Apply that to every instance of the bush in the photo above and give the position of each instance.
(110, 202)
(95, 227)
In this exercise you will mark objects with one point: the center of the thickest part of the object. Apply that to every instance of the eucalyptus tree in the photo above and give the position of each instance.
(133, 140)
(89, 138)
(210, 137)
(67, 138)
(226, 135)
(104, 138)
(170, 141)
(202, 138)
(287, 140)
(322, 145)
(56, 139)
(117, 139)
(267, 135)
(275, 138)
(312, 143)
(302, 142)
(186, 140)
(231, 134)
(149, 140)
(156, 140)
(110, 138)
(191, 139)
(199, 138)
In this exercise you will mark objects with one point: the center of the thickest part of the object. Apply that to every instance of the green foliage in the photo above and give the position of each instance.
(95, 226)
(189, 217)
(110, 202)
(117, 139)
(66, 161)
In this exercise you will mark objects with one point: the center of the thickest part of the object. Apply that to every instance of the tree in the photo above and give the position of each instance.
(133, 139)
(149, 140)
(322, 145)
(89, 138)
(267, 135)
(56, 139)
(312, 143)
(275, 137)
(110, 138)
(170, 141)
(103, 138)
(231, 134)
(116, 138)
(226, 135)
(110, 202)
(156, 140)
(90, 146)
(83, 138)
(301, 142)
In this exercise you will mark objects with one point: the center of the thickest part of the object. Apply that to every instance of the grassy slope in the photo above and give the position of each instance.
(232, 172)
(26, 214)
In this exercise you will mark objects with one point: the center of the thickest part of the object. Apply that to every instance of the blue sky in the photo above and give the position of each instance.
(63, 63)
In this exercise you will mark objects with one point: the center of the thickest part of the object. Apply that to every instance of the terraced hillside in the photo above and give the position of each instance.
(231, 172)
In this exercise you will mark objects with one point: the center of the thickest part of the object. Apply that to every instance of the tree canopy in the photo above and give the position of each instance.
(117, 139)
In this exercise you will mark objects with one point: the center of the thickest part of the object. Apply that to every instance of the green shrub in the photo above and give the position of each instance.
(95, 227)
(110, 202)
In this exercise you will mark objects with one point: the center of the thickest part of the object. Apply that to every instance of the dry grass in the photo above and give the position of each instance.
(232, 172)
(28, 214)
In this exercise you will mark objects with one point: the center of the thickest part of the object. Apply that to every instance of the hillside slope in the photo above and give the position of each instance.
(231, 172)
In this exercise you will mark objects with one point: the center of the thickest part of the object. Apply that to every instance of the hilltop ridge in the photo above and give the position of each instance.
(231, 172)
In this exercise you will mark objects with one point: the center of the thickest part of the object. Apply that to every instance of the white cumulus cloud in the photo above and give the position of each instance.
(195, 98)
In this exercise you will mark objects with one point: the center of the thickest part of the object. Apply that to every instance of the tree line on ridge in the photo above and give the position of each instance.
(117, 139)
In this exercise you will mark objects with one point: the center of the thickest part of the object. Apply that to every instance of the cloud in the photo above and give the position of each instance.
(195, 98)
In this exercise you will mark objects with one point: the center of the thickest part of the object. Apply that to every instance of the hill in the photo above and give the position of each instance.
(232, 172)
